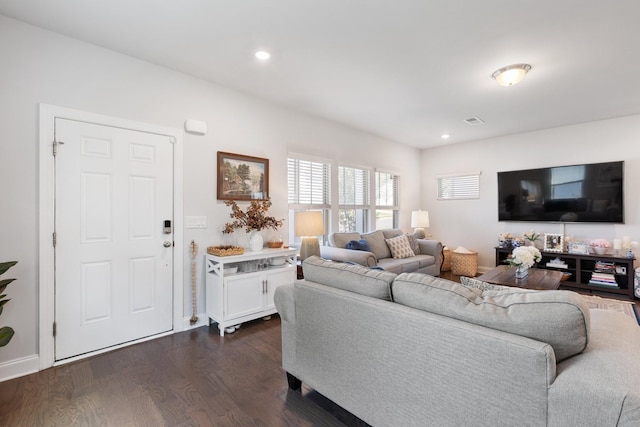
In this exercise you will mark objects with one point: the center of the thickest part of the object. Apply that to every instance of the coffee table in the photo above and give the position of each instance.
(538, 278)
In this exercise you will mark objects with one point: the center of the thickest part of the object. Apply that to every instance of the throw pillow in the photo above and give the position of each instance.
(413, 241)
(377, 244)
(358, 245)
(472, 283)
(400, 247)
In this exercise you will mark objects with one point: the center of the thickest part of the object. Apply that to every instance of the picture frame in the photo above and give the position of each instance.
(242, 177)
(553, 242)
(579, 248)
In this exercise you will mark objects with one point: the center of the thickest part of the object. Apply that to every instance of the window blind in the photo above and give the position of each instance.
(459, 187)
(387, 185)
(308, 184)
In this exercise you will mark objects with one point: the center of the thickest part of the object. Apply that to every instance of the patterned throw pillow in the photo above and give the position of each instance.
(472, 283)
(413, 241)
(400, 247)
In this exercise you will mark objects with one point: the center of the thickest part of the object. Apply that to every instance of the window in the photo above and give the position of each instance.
(387, 200)
(308, 183)
(350, 198)
(353, 199)
(465, 186)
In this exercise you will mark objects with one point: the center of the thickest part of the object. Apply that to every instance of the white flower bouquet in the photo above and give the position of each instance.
(525, 255)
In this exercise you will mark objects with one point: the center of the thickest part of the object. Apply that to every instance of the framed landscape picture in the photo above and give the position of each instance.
(553, 242)
(242, 177)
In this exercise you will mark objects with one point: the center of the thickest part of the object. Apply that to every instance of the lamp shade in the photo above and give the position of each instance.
(309, 223)
(420, 219)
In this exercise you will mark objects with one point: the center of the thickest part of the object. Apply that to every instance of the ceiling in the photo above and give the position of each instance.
(406, 70)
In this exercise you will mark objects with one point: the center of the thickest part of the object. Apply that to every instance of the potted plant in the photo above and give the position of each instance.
(523, 258)
(6, 332)
(253, 221)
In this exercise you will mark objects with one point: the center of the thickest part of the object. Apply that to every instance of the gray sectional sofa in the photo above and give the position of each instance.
(427, 256)
(412, 349)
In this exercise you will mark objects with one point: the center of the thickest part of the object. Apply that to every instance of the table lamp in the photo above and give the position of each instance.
(309, 225)
(419, 221)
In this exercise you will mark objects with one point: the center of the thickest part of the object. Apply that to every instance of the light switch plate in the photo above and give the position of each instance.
(196, 222)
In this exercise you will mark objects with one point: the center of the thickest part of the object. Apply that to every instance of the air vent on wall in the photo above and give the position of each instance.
(474, 121)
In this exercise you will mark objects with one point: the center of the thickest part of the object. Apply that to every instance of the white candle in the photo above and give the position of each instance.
(626, 242)
(617, 244)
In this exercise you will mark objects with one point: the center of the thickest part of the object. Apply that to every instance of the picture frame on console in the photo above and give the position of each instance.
(579, 248)
(553, 242)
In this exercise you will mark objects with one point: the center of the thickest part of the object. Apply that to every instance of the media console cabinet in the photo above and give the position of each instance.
(581, 268)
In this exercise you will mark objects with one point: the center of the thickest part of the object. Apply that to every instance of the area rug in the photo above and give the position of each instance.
(626, 307)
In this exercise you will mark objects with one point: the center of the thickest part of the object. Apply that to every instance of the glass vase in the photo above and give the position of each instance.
(522, 271)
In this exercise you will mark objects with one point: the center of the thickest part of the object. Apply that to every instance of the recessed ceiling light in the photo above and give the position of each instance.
(445, 136)
(511, 74)
(263, 55)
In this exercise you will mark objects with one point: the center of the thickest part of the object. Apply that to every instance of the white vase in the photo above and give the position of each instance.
(522, 271)
(256, 242)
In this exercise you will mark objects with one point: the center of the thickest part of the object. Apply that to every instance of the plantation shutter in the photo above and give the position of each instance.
(309, 184)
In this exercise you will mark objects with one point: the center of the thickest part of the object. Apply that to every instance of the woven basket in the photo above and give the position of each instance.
(464, 264)
(446, 263)
(225, 250)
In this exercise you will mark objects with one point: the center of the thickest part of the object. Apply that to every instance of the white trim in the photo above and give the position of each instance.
(19, 367)
(108, 349)
(308, 158)
(48, 114)
(382, 170)
(447, 175)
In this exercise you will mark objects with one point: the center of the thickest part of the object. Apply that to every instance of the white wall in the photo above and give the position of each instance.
(42, 67)
(474, 223)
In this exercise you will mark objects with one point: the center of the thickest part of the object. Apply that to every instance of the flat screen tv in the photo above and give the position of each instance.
(576, 193)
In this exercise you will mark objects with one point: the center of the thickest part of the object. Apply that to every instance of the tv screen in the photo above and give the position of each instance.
(576, 193)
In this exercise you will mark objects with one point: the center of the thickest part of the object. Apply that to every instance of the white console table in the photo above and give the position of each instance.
(234, 298)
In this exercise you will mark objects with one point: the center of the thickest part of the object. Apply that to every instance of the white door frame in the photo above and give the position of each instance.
(48, 114)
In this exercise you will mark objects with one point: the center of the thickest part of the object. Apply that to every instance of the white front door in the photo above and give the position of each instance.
(113, 259)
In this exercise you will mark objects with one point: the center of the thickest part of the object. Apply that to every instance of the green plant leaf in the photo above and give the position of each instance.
(4, 283)
(4, 266)
(6, 333)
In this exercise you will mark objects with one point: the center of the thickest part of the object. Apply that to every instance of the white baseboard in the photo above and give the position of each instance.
(203, 320)
(19, 367)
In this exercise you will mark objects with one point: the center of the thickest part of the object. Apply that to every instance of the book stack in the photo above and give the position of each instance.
(604, 275)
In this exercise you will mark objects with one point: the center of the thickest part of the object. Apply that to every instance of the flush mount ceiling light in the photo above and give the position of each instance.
(511, 74)
(263, 55)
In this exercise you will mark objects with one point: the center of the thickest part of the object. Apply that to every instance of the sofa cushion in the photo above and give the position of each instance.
(377, 244)
(390, 233)
(413, 241)
(358, 245)
(340, 240)
(349, 277)
(559, 318)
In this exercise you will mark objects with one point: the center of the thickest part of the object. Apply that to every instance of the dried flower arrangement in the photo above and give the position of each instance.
(255, 218)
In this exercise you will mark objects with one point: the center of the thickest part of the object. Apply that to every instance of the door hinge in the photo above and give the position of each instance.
(55, 329)
(55, 239)
(55, 147)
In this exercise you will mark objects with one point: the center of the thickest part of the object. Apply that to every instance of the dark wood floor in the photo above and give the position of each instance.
(193, 378)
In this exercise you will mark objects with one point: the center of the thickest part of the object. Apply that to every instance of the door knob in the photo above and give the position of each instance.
(167, 244)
